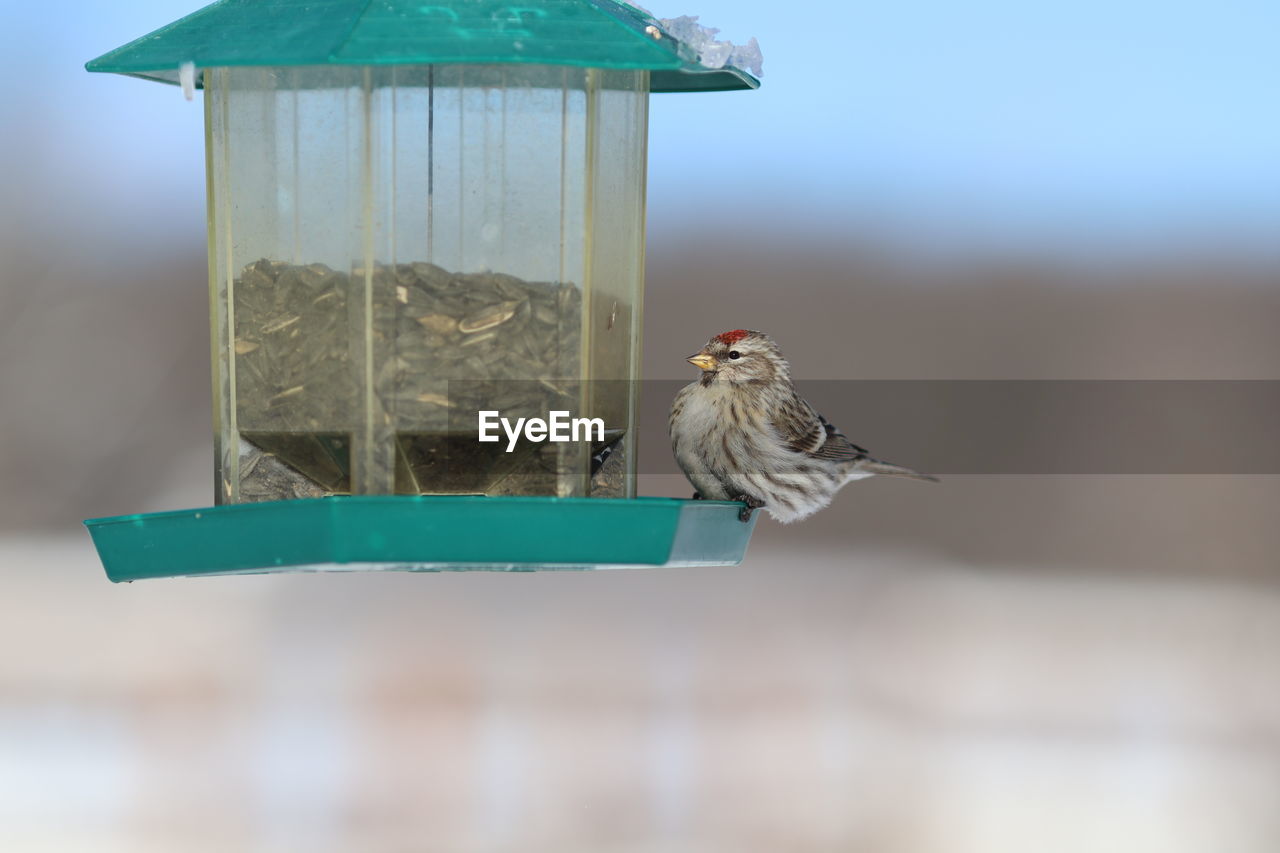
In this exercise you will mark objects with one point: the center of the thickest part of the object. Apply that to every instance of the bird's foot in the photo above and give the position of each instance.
(752, 504)
(697, 496)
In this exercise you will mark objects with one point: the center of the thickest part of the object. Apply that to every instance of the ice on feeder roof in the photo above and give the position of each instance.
(702, 41)
(712, 53)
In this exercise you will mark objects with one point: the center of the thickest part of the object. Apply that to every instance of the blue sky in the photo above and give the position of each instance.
(1085, 126)
(1084, 123)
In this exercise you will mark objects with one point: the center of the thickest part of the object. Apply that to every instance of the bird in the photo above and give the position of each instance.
(742, 433)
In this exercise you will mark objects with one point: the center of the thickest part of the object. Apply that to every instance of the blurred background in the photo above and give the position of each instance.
(997, 663)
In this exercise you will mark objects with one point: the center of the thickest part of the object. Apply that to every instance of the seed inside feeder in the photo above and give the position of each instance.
(440, 347)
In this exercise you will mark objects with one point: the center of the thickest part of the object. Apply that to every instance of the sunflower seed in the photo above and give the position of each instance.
(488, 318)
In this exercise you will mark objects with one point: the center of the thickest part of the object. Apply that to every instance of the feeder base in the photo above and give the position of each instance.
(422, 534)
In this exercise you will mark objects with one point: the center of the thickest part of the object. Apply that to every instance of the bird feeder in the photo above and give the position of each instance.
(424, 220)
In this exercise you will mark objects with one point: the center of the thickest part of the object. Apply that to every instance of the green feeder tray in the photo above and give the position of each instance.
(422, 534)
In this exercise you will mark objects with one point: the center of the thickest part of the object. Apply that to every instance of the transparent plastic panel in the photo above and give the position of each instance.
(286, 192)
(394, 249)
(619, 122)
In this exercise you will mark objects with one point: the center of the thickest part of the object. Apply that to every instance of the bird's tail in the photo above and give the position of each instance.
(888, 469)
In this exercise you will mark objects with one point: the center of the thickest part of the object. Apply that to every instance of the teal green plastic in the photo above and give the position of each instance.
(427, 533)
(587, 33)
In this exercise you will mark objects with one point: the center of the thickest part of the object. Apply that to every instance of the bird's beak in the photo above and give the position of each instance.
(703, 360)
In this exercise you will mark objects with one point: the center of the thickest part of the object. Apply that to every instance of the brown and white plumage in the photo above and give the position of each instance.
(741, 432)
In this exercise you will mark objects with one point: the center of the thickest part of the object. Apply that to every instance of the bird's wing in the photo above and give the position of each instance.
(805, 431)
(838, 446)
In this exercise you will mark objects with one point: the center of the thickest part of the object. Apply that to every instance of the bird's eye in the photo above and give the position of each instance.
(735, 354)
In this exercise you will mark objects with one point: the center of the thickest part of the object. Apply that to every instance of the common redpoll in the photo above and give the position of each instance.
(742, 433)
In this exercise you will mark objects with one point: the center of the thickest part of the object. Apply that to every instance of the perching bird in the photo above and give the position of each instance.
(742, 433)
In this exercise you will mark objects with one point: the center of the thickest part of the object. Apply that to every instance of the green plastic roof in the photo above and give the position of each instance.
(589, 33)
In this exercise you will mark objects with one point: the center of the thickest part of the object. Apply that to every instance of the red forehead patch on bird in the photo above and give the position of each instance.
(732, 337)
